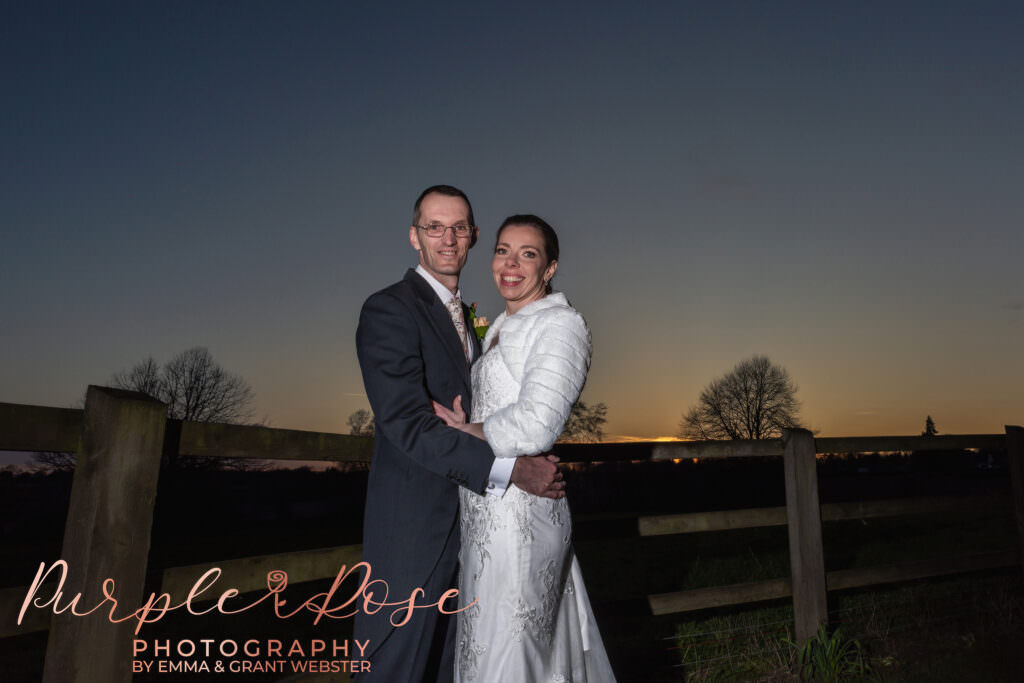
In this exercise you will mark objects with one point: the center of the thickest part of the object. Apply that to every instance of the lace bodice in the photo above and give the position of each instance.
(493, 385)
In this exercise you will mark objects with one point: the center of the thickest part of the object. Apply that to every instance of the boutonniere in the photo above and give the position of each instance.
(480, 323)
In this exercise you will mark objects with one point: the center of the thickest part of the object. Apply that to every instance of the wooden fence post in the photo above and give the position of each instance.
(806, 554)
(107, 534)
(1015, 454)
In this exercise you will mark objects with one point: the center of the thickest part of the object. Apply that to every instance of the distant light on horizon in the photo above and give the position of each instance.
(642, 439)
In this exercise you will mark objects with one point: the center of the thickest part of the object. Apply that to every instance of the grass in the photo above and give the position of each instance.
(744, 646)
(962, 629)
(830, 657)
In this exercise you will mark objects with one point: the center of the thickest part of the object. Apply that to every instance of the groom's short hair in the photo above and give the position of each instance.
(448, 191)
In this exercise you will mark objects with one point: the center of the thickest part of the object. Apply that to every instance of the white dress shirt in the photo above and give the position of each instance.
(501, 470)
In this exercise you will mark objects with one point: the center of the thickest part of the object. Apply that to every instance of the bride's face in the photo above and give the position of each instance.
(520, 266)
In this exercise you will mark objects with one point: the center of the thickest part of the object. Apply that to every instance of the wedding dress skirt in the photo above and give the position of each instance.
(532, 621)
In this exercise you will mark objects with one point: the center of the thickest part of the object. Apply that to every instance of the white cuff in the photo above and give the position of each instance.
(501, 474)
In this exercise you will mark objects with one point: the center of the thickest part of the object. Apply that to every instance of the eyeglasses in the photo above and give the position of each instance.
(434, 230)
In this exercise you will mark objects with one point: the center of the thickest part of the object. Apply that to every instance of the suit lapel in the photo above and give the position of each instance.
(441, 321)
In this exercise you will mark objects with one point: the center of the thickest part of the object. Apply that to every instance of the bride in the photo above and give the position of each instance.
(532, 620)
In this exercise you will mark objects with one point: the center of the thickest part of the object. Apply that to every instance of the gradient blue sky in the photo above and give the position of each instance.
(836, 185)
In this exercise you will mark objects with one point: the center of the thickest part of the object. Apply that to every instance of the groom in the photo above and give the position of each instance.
(414, 347)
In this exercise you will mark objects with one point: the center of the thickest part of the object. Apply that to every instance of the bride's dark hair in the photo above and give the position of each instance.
(546, 231)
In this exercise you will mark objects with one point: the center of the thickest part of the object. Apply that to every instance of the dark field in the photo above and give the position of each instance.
(940, 631)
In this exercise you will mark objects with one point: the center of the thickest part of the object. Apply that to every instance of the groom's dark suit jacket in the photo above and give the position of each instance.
(410, 353)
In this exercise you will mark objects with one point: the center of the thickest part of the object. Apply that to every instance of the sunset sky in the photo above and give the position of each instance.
(838, 186)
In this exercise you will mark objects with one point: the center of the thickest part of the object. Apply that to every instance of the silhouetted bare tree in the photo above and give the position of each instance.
(144, 377)
(756, 400)
(929, 427)
(195, 388)
(360, 423)
(585, 424)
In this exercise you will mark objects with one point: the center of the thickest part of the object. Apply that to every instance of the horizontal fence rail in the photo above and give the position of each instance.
(211, 440)
(691, 522)
(36, 428)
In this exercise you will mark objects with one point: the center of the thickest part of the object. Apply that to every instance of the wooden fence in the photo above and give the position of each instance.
(121, 437)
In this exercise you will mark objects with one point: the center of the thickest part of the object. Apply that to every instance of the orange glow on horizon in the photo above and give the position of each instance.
(622, 438)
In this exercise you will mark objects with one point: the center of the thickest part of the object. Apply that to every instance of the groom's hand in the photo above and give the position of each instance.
(538, 474)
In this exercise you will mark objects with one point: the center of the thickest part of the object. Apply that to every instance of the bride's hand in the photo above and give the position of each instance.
(456, 417)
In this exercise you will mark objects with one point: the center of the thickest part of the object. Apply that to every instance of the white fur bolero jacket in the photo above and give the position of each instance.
(546, 347)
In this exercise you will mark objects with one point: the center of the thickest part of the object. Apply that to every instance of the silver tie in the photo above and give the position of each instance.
(455, 310)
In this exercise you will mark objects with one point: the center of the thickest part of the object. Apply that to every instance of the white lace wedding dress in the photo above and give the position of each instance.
(532, 622)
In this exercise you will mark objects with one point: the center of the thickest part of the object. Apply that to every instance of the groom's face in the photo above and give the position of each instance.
(444, 256)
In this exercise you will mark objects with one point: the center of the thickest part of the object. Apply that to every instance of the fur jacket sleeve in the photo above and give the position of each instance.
(546, 346)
